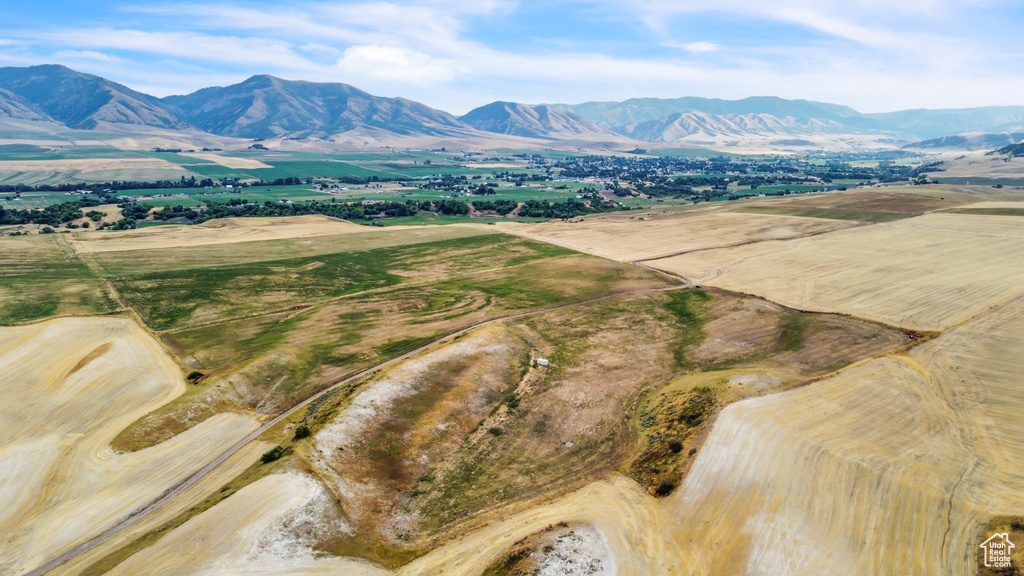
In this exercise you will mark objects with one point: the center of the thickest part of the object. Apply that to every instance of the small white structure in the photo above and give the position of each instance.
(542, 362)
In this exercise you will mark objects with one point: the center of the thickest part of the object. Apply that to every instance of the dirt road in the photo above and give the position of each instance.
(196, 476)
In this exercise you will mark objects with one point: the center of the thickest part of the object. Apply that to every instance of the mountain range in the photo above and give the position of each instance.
(265, 107)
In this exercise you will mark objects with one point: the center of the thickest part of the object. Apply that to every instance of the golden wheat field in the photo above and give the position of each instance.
(632, 240)
(70, 385)
(892, 467)
(925, 273)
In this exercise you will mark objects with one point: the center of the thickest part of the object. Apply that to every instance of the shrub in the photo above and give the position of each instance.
(302, 432)
(274, 453)
(495, 431)
(194, 376)
(665, 488)
(675, 446)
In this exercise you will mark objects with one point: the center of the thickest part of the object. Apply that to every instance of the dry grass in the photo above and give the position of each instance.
(926, 273)
(228, 161)
(865, 205)
(213, 232)
(631, 240)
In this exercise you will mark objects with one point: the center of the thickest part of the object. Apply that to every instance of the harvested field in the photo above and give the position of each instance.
(70, 385)
(627, 240)
(820, 466)
(361, 238)
(228, 161)
(926, 273)
(863, 205)
(214, 232)
(35, 172)
(992, 209)
(260, 530)
(85, 165)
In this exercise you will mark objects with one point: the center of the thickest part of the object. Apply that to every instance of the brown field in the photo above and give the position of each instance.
(70, 385)
(85, 165)
(228, 161)
(892, 467)
(983, 167)
(89, 170)
(926, 273)
(631, 240)
(881, 205)
(214, 232)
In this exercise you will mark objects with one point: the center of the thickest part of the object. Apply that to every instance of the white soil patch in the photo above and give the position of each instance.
(264, 529)
(580, 551)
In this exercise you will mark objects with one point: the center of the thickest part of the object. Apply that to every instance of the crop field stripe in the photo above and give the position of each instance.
(196, 476)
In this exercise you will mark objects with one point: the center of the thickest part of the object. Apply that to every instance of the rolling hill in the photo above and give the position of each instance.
(642, 117)
(532, 121)
(80, 100)
(268, 107)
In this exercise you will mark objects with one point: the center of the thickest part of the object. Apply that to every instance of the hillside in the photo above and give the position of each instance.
(531, 121)
(682, 125)
(267, 107)
(80, 100)
(973, 141)
(790, 116)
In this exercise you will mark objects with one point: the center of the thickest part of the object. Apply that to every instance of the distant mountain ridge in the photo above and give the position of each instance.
(691, 116)
(266, 107)
(269, 107)
(83, 101)
(532, 121)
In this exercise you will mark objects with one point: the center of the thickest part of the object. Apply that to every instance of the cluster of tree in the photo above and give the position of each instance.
(52, 215)
(238, 207)
(501, 206)
(569, 208)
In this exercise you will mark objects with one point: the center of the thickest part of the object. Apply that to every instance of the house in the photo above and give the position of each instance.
(997, 550)
(542, 362)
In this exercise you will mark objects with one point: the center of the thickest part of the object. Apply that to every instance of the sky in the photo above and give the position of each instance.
(872, 55)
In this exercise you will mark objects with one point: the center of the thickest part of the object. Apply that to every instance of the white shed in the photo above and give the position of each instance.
(542, 362)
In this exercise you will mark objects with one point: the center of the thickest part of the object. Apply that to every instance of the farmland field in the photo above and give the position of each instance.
(926, 273)
(70, 386)
(675, 429)
(42, 277)
(626, 239)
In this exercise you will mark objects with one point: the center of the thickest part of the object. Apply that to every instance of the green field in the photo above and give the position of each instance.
(284, 316)
(41, 278)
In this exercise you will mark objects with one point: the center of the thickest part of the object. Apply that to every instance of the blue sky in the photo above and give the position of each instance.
(873, 55)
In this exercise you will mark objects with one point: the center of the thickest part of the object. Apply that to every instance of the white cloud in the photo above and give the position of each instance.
(693, 46)
(395, 65)
(87, 55)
